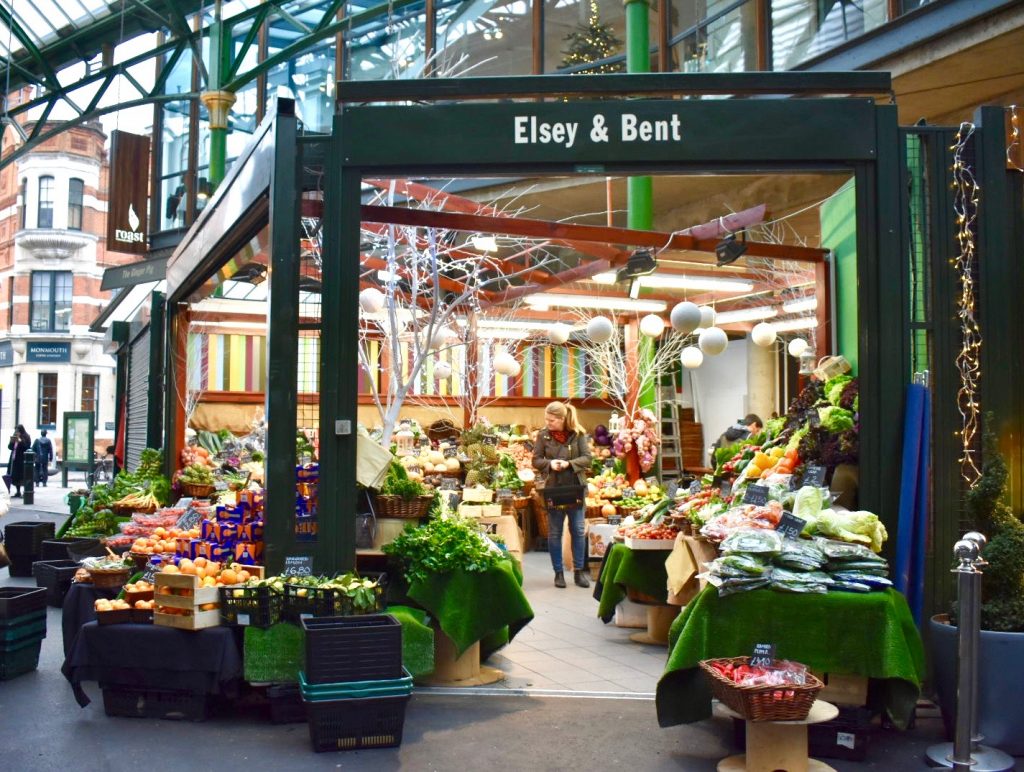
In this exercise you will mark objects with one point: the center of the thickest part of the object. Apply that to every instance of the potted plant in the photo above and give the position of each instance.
(1001, 648)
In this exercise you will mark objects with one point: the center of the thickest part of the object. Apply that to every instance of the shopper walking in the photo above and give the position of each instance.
(19, 443)
(562, 455)
(43, 448)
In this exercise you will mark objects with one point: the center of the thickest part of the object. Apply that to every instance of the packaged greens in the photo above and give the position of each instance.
(754, 541)
(837, 550)
(839, 584)
(800, 555)
(860, 577)
(738, 565)
(800, 581)
(732, 585)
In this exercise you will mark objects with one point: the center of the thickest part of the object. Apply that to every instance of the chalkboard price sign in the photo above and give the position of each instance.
(189, 520)
(814, 475)
(673, 489)
(628, 493)
(609, 463)
(725, 489)
(449, 483)
(424, 441)
(695, 487)
(790, 525)
(756, 495)
(452, 451)
(763, 656)
(298, 565)
(490, 439)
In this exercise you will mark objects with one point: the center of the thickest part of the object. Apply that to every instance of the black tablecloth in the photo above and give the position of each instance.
(79, 608)
(208, 661)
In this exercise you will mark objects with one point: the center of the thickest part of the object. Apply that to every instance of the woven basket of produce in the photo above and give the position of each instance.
(521, 502)
(397, 506)
(779, 701)
(626, 511)
(197, 490)
(527, 487)
(109, 577)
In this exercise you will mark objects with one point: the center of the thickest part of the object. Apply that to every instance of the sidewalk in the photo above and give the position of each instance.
(48, 505)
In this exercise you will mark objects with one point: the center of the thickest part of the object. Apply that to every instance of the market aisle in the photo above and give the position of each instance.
(567, 647)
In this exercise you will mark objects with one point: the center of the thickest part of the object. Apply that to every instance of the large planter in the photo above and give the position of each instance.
(1000, 676)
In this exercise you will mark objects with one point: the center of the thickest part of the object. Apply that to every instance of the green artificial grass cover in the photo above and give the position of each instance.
(417, 639)
(642, 570)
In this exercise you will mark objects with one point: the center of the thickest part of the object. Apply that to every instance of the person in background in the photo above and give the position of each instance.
(20, 442)
(43, 448)
(562, 455)
(745, 427)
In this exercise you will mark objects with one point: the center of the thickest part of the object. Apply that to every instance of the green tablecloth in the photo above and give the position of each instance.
(642, 570)
(871, 634)
(417, 639)
(469, 607)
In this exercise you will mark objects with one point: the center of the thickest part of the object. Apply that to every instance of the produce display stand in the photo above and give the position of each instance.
(454, 669)
(773, 745)
(639, 575)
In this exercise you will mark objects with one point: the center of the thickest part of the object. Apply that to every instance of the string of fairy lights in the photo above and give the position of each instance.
(968, 362)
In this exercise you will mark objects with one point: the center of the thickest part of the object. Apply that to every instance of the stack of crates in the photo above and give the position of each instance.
(22, 629)
(24, 543)
(354, 687)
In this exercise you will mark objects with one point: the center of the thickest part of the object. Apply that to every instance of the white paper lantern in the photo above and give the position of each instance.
(559, 333)
(691, 357)
(685, 317)
(442, 370)
(504, 363)
(442, 337)
(652, 326)
(797, 346)
(600, 329)
(516, 370)
(763, 334)
(713, 341)
(707, 317)
(371, 300)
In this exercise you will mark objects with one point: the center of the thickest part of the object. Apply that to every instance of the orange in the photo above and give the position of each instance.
(170, 568)
(228, 576)
(200, 561)
(243, 576)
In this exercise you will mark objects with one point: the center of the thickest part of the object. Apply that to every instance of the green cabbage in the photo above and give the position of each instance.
(859, 527)
(835, 419)
(807, 503)
(834, 388)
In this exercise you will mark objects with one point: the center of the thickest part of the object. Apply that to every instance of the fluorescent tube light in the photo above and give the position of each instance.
(607, 277)
(795, 324)
(801, 305)
(708, 283)
(548, 299)
(745, 315)
(507, 324)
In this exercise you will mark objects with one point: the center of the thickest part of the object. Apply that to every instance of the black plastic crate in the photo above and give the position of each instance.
(249, 606)
(26, 537)
(27, 627)
(347, 725)
(56, 577)
(299, 602)
(60, 549)
(18, 601)
(353, 648)
(136, 702)
(20, 658)
(286, 705)
(21, 565)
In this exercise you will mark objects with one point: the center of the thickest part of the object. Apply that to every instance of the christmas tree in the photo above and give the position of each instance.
(592, 42)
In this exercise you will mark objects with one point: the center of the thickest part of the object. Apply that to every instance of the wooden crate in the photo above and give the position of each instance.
(199, 597)
(196, 621)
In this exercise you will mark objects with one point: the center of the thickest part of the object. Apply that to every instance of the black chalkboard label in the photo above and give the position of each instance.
(298, 565)
(414, 469)
(673, 489)
(794, 482)
(756, 495)
(790, 525)
(628, 493)
(149, 575)
(528, 444)
(651, 480)
(454, 497)
(814, 475)
(449, 483)
(763, 655)
(424, 441)
(503, 428)
(695, 487)
(191, 519)
(609, 463)
(725, 489)
(504, 493)
(490, 439)
(452, 451)
(813, 418)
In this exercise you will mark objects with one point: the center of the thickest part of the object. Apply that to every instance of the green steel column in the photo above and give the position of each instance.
(640, 206)
(218, 102)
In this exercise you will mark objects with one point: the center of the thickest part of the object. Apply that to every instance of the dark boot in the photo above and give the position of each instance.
(581, 578)
(559, 579)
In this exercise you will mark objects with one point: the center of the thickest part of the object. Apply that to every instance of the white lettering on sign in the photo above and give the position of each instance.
(666, 130)
(531, 130)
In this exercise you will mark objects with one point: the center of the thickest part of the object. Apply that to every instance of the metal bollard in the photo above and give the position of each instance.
(966, 752)
(28, 477)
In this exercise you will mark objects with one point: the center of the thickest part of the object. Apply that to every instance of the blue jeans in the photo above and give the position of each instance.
(556, 518)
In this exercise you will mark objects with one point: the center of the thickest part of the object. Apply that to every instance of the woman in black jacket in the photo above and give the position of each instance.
(20, 442)
(562, 455)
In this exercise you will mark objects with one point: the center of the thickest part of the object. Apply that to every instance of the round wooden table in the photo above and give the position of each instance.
(775, 745)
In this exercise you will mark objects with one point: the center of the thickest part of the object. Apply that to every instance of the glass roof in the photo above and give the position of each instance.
(45, 21)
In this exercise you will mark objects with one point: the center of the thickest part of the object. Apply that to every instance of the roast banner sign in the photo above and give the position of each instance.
(588, 135)
(127, 223)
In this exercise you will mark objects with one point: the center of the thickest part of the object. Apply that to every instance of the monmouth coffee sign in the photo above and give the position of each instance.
(48, 352)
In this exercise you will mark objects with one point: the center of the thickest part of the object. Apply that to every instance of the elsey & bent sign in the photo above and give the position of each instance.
(532, 130)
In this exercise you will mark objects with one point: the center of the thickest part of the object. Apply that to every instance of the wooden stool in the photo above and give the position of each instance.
(778, 745)
(453, 670)
(659, 619)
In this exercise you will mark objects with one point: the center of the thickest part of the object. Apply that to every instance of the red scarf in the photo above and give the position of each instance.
(562, 437)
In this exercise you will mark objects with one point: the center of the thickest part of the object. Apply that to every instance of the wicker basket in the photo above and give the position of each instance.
(592, 512)
(527, 488)
(626, 511)
(521, 502)
(129, 511)
(762, 703)
(396, 506)
(196, 490)
(109, 577)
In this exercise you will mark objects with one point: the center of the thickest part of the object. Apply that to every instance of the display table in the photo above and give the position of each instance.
(773, 745)
(207, 661)
(79, 608)
(507, 528)
(469, 608)
(871, 635)
(640, 570)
